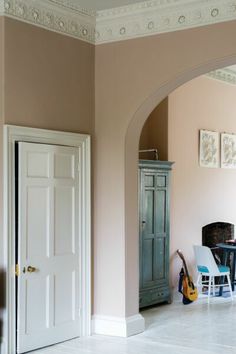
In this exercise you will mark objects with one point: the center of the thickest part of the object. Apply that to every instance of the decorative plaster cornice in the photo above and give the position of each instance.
(1, 8)
(74, 6)
(131, 21)
(227, 75)
(152, 17)
(57, 15)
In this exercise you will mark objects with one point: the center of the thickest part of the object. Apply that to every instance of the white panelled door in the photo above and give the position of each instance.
(48, 303)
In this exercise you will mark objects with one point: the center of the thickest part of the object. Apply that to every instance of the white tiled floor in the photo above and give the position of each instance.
(197, 328)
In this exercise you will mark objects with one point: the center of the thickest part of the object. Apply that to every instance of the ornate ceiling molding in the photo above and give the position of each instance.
(227, 75)
(154, 17)
(1, 8)
(132, 21)
(56, 15)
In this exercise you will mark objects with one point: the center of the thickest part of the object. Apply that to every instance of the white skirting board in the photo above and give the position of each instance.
(118, 326)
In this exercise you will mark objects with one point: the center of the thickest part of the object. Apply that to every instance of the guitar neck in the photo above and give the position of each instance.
(186, 268)
(184, 263)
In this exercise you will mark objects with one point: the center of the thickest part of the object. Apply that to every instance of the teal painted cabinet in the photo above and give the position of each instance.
(154, 232)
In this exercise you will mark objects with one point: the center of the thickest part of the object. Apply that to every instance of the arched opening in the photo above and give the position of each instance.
(131, 167)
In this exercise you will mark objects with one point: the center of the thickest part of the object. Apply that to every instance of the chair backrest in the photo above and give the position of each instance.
(204, 258)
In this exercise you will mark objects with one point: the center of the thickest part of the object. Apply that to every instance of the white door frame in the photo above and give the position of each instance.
(13, 134)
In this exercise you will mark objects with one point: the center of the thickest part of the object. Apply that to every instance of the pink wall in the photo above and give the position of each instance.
(148, 69)
(199, 195)
(155, 133)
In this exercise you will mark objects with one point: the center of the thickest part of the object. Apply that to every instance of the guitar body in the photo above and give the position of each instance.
(189, 289)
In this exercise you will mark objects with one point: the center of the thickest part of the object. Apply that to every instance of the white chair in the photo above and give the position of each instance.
(207, 267)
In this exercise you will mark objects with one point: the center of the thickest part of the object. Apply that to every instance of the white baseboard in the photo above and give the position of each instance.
(118, 326)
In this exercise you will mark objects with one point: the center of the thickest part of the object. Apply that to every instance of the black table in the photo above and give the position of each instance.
(227, 249)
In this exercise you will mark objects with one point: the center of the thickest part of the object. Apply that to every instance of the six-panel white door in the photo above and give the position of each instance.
(48, 304)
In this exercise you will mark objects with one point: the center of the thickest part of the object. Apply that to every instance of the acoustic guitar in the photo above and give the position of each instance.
(189, 289)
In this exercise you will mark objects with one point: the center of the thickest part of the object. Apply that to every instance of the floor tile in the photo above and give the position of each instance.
(198, 328)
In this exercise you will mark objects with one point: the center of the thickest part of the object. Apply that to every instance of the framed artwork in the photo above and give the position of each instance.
(209, 149)
(228, 150)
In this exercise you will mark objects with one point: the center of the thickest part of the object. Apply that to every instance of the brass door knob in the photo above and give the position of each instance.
(31, 269)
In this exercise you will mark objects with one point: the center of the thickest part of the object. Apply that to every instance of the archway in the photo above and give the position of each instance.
(134, 76)
(131, 163)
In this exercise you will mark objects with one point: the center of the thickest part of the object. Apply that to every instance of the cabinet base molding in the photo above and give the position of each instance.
(154, 296)
(118, 326)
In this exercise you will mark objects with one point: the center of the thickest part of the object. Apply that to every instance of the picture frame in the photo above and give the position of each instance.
(228, 150)
(209, 153)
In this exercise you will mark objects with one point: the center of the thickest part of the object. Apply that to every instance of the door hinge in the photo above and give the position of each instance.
(17, 270)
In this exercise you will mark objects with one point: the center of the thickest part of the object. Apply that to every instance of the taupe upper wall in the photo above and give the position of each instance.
(128, 72)
(49, 79)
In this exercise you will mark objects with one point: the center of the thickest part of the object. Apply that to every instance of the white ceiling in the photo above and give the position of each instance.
(97, 5)
(232, 67)
(106, 4)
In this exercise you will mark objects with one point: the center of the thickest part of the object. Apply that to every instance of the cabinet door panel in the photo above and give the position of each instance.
(148, 251)
(161, 181)
(160, 215)
(149, 180)
(160, 259)
(149, 212)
